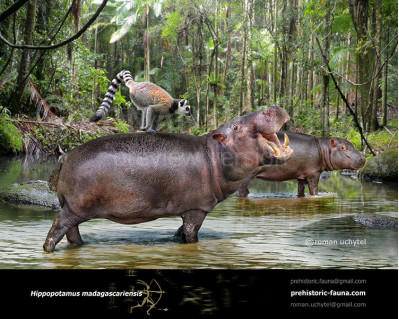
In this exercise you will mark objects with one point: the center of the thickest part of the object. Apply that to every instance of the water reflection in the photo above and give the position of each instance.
(269, 229)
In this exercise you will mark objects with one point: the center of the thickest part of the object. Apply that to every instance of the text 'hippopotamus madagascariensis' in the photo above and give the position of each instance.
(312, 155)
(138, 177)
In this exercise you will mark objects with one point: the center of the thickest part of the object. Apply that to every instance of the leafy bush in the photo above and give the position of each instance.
(10, 140)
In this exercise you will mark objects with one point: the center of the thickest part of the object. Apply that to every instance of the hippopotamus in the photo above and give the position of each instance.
(138, 177)
(312, 155)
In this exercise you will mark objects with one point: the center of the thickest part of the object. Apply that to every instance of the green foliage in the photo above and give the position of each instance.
(304, 117)
(184, 37)
(171, 29)
(383, 139)
(128, 12)
(122, 126)
(10, 139)
(215, 81)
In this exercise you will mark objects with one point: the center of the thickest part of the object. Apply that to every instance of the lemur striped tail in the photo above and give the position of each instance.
(110, 95)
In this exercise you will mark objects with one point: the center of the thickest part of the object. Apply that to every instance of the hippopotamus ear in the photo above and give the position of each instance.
(333, 143)
(219, 137)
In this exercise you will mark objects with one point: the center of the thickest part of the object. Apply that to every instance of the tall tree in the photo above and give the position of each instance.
(326, 78)
(360, 15)
(248, 55)
(377, 66)
(24, 64)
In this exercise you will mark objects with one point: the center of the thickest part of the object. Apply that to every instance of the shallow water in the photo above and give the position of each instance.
(271, 229)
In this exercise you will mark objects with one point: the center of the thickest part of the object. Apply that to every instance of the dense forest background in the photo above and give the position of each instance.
(332, 64)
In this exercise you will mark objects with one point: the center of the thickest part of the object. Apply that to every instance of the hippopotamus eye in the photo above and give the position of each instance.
(236, 128)
(343, 148)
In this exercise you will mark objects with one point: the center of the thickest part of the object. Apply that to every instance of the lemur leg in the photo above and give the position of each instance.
(143, 117)
(154, 124)
(152, 115)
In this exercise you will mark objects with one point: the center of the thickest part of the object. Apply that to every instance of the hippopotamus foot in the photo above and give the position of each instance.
(243, 192)
(192, 221)
(179, 235)
(57, 231)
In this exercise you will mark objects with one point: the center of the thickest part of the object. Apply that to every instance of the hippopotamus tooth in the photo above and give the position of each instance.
(274, 147)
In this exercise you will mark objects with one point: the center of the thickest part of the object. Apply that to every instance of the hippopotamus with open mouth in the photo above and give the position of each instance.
(312, 155)
(138, 177)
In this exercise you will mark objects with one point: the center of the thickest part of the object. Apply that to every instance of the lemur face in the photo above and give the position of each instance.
(183, 107)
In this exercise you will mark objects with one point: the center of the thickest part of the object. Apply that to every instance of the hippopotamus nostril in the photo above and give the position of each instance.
(361, 162)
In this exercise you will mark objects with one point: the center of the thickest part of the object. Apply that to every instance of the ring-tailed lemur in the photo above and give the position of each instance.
(148, 97)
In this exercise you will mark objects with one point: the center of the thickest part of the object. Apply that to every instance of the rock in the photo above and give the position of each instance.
(325, 175)
(376, 221)
(383, 167)
(349, 172)
(31, 193)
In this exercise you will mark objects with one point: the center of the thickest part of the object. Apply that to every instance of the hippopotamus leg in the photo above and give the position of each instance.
(301, 187)
(192, 221)
(64, 223)
(243, 190)
(313, 182)
(73, 236)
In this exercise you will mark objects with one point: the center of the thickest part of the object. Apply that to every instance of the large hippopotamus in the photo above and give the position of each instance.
(312, 155)
(138, 177)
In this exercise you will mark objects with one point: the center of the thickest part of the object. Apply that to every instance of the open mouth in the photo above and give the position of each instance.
(276, 149)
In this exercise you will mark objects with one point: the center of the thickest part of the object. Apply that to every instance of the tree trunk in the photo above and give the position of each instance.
(199, 70)
(326, 78)
(207, 92)
(228, 50)
(385, 88)
(289, 13)
(248, 57)
(243, 68)
(275, 52)
(216, 71)
(310, 73)
(43, 9)
(376, 89)
(359, 12)
(97, 64)
(147, 39)
(26, 54)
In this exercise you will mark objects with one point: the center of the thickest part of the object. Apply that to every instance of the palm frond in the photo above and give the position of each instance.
(41, 105)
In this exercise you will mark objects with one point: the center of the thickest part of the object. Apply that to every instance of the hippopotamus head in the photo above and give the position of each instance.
(249, 141)
(344, 155)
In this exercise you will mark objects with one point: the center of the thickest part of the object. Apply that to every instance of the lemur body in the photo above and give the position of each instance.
(147, 97)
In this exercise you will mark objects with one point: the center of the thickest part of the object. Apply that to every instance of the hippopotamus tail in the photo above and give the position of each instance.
(53, 179)
(125, 76)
